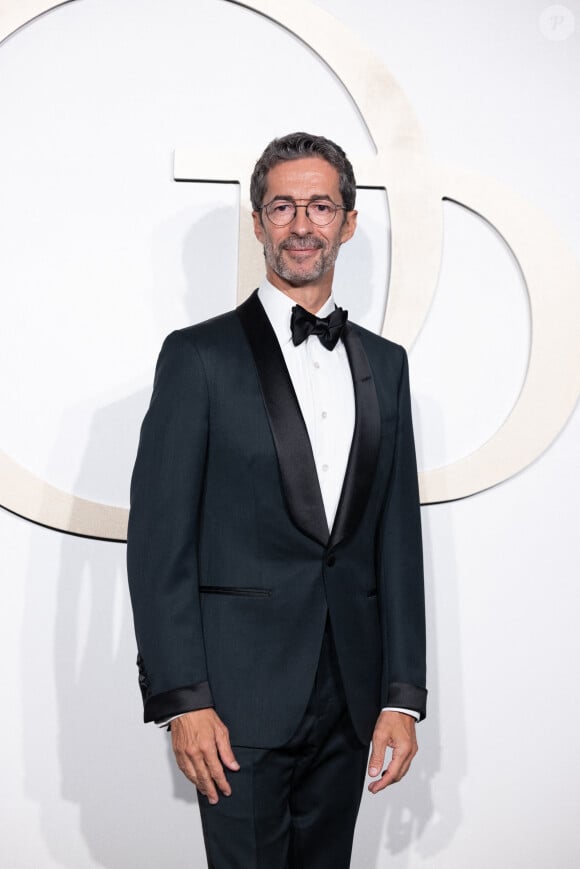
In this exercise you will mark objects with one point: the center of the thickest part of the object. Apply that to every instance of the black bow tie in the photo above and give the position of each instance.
(329, 329)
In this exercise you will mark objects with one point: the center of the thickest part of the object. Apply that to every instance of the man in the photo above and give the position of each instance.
(274, 546)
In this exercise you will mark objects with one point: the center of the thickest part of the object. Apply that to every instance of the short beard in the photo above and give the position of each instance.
(297, 276)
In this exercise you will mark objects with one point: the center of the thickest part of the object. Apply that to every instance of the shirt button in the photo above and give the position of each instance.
(325, 467)
(317, 364)
(330, 561)
(324, 414)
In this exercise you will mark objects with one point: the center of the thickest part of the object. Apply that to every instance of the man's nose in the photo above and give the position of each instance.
(301, 225)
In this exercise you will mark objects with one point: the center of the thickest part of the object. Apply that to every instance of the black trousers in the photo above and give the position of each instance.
(294, 807)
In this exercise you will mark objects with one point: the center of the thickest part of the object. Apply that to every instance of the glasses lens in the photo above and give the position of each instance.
(321, 211)
(281, 212)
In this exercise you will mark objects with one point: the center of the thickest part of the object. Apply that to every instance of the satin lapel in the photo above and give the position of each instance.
(295, 458)
(364, 450)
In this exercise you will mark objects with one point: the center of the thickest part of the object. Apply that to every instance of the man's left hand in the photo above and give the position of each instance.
(397, 731)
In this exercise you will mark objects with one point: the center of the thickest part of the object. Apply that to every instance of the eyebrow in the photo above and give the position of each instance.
(309, 199)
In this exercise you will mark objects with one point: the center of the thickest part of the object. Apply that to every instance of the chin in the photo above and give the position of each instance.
(297, 279)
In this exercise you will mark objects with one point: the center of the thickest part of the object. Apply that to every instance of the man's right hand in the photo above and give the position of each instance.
(201, 744)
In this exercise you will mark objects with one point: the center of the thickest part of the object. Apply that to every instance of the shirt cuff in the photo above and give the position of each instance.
(411, 712)
(167, 721)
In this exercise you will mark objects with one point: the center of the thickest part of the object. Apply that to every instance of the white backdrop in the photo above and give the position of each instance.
(103, 254)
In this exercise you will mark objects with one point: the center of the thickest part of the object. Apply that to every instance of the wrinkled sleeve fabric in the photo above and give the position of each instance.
(163, 535)
(402, 599)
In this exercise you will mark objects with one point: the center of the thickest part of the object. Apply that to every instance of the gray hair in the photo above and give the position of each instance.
(295, 146)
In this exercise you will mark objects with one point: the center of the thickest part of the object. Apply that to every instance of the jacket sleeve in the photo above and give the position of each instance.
(402, 600)
(163, 534)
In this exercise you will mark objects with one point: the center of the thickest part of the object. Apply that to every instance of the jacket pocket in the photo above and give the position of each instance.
(372, 592)
(232, 590)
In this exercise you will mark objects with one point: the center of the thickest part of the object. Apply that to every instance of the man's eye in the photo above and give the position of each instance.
(322, 207)
(281, 207)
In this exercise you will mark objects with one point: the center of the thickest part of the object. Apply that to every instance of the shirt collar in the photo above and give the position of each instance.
(278, 307)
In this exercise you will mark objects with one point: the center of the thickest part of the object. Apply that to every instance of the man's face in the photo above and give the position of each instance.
(302, 252)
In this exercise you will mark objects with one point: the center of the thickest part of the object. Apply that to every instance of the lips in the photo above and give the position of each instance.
(302, 249)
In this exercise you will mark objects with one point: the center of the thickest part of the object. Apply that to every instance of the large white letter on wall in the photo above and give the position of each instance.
(415, 187)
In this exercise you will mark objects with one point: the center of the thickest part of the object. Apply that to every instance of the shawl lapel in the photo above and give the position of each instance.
(364, 451)
(295, 458)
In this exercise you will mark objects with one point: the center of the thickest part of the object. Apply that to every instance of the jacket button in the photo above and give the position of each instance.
(330, 561)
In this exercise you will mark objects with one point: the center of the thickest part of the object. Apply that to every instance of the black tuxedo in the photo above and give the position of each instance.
(232, 569)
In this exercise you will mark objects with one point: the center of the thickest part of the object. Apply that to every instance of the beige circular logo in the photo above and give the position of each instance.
(416, 188)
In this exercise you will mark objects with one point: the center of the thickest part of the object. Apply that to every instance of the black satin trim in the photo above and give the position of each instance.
(364, 451)
(295, 459)
(408, 697)
(160, 707)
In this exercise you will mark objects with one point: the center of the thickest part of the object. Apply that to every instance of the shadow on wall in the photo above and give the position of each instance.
(133, 808)
(113, 768)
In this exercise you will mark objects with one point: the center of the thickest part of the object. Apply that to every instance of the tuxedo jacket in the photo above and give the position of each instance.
(233, 571)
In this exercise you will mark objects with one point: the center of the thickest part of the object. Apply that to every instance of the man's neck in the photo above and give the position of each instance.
(311, 297)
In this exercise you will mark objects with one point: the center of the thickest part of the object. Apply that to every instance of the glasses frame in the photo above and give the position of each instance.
(296, 205)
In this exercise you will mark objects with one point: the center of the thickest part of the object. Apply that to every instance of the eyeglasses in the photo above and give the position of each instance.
(321, 212)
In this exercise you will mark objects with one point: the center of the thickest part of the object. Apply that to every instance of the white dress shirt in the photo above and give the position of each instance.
(322, 381)
(323, 384)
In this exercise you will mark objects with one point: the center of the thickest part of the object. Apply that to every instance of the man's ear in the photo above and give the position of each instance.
(348, 226)
(258, 227)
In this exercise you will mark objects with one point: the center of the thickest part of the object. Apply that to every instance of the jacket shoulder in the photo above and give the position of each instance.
(377, 344)
(210, 330)
(208, 336)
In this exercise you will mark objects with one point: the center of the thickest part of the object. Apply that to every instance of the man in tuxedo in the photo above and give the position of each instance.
(274, 545)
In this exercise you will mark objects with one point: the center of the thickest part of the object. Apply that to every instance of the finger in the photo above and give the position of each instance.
(209, 755)
(395, 771)
(377, 758)
(388, 777)
(225, 749)
(194, 766)
(216, 771)
(206, 786)
(185, 764)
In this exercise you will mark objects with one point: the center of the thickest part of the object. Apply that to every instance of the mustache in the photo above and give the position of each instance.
(303, 243)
